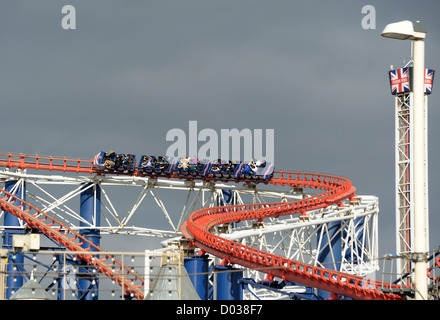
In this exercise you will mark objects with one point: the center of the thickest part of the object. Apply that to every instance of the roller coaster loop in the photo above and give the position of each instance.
(197, 229)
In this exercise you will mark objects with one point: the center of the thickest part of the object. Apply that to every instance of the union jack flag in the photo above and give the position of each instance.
(399, 80)
(429, 79)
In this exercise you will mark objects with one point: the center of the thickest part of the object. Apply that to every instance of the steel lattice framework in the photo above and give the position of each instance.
(404, 179)
(300, 238)
(277, 229)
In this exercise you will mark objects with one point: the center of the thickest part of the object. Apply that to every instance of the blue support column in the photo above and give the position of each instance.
(330, 250)
(359, 225)
(198, 271)
(90, 211)
(228, 286)
(61, 278)
(14, 279)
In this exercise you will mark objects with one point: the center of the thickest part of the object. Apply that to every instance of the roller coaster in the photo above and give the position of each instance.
(334, 198)
(254, 170)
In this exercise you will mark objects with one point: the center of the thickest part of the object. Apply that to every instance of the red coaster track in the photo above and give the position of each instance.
(336, 189)
(196, 228)
(73, 241)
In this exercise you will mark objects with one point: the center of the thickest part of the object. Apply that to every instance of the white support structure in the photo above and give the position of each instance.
(58, 195)
(297, 238)
(404, 175)
(404, 181)
(146, 200)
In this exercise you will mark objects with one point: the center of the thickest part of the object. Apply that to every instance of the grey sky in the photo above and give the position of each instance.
(133, 70)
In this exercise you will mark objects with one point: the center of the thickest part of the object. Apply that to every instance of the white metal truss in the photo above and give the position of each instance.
(295, 237)
(299, 238)
(404, 178)
(59, 195)
(404, 181)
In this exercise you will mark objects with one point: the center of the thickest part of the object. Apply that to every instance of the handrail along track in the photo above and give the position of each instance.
(197, 229)
(108, 265)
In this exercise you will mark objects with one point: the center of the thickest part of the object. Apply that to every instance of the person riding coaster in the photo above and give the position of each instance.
(161, 164)
(192, 166)
(254, 170)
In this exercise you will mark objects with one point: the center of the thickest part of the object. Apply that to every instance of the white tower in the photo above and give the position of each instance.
(400, 80)
(416, 221)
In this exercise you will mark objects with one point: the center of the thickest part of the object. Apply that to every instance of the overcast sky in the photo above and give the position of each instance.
(133, 70)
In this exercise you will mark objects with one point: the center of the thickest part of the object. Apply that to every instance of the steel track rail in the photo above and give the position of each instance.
(107, 265)
(197, 227)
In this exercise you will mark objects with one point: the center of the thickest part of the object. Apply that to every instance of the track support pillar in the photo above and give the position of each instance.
(90, 211)
(227, 284)
(198, 271)
(14, 280)
(330, 255)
